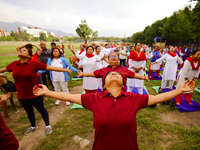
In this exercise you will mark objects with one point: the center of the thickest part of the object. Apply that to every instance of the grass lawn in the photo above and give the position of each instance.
(152, 132)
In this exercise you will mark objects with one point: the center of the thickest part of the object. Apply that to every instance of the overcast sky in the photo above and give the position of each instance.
(108, 17)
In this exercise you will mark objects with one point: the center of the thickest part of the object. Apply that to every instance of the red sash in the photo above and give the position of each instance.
(133, 55)
(81, 51)
(89, 55)
(172, 54)
(192, 63)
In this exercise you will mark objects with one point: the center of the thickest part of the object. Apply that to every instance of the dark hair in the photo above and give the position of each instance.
(29, 48)
(82, 45)
(53, 43)
(52, 56)
(195, 51)
(96, 47)
(106, 44)
(113, 52)
(136, 44)
(107, 75)
(88, 47)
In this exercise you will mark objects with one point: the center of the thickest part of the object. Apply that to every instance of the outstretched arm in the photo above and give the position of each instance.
(87, 74)
(43, 90)
(138, 76)
(184, 87)
(2, 70)
(53, 68)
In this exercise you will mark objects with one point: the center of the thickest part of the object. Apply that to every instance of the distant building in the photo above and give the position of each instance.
(125, 36)
(3, 33)
(51, 33)
(59, 36)
(35, 31)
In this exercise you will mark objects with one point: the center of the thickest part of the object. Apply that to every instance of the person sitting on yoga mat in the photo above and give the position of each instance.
(113, 60)
(189, 71)
(114, 110)
(170, 69)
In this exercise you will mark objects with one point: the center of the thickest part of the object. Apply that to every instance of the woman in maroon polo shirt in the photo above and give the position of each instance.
(114, 110)
(24, 73)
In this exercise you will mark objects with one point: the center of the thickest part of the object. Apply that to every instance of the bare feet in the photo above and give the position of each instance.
(172, 89)
(190, 103)
(178, 104)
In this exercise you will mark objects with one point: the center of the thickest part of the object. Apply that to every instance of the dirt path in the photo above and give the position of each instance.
(187, 119)
(55, 114)
(9, 54)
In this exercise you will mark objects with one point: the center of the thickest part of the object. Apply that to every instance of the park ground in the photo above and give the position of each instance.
(160, 128)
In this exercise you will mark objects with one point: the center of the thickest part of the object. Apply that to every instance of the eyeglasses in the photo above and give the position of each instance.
(113, 56)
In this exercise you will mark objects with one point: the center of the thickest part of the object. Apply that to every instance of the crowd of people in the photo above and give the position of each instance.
(114, 69)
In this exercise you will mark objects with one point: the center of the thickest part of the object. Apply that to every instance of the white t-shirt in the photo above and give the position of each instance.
(57, 76)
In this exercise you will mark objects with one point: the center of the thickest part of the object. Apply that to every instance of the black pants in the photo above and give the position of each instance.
(39, 78)
(39, 105)
(44, 79)
(122, 61)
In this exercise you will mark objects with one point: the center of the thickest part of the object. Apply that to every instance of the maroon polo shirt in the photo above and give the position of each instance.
(7, 138)
(25, 76)
(125, 72)
(114, 119)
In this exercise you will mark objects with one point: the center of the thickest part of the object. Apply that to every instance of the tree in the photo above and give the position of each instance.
(84, 31)
(43, 37)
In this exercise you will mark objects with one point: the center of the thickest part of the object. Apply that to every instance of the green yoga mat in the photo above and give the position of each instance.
(77, 106)
(74, 79)
(156, 88)
(196, 89)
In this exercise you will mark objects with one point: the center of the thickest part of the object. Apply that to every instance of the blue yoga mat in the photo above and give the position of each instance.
(154, 76)
(144, 90)
(184, 107)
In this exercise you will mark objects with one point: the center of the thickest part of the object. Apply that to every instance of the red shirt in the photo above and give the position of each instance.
(114, 119)
(6, 136)
(123, 70)
(25, 76)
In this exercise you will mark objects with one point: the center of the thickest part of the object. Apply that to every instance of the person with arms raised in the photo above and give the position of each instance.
(113, 60)
(114, 110)
(24, 73)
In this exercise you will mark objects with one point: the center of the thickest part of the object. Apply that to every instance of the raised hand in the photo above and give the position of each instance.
(39, 90)
(187, 86)
(68, 70)
(80, 73)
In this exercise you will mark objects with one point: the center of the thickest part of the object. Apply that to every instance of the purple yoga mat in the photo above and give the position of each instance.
(154, 76)
(185, 107)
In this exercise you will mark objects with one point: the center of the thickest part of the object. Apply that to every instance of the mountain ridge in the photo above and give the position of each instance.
(12, 26)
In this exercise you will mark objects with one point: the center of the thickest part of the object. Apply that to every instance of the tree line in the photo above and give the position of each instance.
(182, 27)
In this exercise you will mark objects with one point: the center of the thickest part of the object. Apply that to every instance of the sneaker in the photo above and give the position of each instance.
(30, 130)
(57, 102)
(67, 103)
(48, 130)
